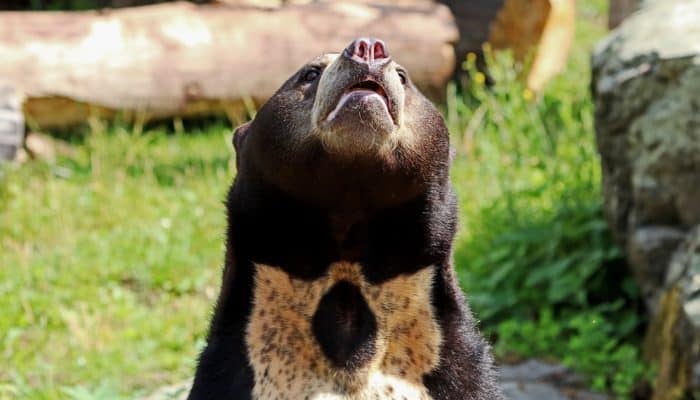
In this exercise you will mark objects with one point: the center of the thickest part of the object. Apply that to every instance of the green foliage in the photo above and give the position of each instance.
(106, 255)
(587, 341)
(535, 255)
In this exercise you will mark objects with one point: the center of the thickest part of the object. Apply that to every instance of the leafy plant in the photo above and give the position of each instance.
(536, 257)
(586, 342)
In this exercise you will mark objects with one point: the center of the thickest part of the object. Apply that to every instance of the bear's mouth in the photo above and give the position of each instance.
(362, 89)
(372, 86)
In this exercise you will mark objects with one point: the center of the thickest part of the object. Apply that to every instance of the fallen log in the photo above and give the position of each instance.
(180, 59)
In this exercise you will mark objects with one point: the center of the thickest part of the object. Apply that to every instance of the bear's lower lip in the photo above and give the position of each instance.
(357, 95)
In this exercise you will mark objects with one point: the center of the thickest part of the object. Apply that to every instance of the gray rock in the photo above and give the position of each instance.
(687, 260)
(531, 370)
(646, 87)
(683, 345)
(650, 249)
(531, 391)
(646, 80)
(537, 380)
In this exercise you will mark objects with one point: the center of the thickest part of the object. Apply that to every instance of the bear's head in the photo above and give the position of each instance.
(346, 128)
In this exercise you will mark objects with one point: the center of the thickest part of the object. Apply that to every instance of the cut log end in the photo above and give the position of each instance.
(11, 122)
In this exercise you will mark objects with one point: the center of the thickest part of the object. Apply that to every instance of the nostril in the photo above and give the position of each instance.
(367, 51)
(379, 50)
(362, 49)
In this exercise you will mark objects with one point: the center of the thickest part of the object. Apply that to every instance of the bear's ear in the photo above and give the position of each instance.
(239, 135)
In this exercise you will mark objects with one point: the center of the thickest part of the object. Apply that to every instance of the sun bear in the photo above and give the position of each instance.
(338, 281)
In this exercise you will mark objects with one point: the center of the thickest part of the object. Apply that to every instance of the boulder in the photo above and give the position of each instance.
(649, 249)
(646, 80)
(646, 88)
(673, 338)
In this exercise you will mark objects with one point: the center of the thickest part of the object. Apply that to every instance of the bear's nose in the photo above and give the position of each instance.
(367, 51)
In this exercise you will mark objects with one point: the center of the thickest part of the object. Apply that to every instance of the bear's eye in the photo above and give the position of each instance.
(402, 76)
(311, 75)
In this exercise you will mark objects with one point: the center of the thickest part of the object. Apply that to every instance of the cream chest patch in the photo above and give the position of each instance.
(288, 362)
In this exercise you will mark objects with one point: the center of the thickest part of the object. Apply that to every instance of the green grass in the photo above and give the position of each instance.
(110, 257)
(110, 261)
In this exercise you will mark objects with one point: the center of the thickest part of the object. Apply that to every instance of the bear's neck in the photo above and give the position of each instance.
(268, 227)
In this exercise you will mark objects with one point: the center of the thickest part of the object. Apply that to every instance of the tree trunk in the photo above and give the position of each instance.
(619, 10)
(179, 59)
(474, 19)
(539, 32)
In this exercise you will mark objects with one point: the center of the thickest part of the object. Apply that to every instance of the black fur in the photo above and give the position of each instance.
(345, 327)
(301, 209)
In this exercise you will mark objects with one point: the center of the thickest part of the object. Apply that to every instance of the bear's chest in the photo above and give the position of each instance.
(339, 337)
